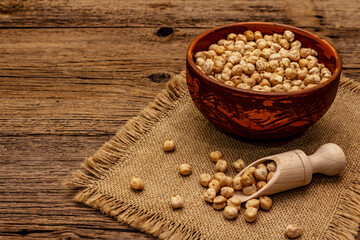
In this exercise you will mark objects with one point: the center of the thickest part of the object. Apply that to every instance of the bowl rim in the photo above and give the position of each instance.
(335, 75)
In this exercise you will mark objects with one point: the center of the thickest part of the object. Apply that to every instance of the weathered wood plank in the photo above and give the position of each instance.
(33, 202)
(175, 13)
(90, 81)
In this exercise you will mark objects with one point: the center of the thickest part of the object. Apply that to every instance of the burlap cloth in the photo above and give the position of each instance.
(328, 208)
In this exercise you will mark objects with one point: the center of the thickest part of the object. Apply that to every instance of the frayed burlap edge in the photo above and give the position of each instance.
(344, 224)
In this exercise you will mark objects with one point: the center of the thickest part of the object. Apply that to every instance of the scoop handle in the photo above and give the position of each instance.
(329, 159)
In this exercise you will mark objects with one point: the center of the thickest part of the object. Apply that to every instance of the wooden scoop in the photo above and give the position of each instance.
(295, 169)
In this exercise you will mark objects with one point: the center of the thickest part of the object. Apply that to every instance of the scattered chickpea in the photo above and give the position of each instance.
(293, 231)
(177, 201)
(226, 181)
(137, 183)
(227, 192)
(219, 202)
(185, 169)
(234, 202)
(250, 214)
(249, 190)
(215, 184)
(169, 145)
(215, 156)
(255, 203)
(210, 195)
(247, 179)
(219, 175)
(237, 183)
(205, 179)
(221, 165)
(230, 212)
(265, 202)
(239, 165)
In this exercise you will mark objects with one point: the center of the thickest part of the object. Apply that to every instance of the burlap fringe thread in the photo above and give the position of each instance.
(344, 225)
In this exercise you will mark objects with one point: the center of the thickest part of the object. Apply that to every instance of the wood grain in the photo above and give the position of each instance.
(73, 72)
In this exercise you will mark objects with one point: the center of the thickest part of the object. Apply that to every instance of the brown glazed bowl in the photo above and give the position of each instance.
(261, 115)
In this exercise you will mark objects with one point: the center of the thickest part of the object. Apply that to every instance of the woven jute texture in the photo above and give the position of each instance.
(328, 208)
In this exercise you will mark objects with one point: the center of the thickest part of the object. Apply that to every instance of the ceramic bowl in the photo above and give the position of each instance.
(261, 115)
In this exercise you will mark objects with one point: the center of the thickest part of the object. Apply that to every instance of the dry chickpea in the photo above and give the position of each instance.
(205, 179)
(243, 86)
(208, 67)
(249, 190)
(137, 183)
(227, 192)
(185, 169)
(271, 166)
(260, 185)
(260, 65)
(266, 52)
(301, 74)
(255, 203)
(260, 165)
(230, 212)
(303, 62)
(219, 202)
(215, 156)
(314, 71)
(234, 202)
(275, 47)
(249, 35)
(239, 165)
(219, 175)
(249, 69)
(276, 79)
(210, 195)
(312, 63)
(177, 201)
(285, 63)
(293, 231)
(231, 36)
(272, 65)
(290, 73)
(215, 184)
(265, 203)
(261, 44)
(230, 83)
(237, 70)
(200, 55)
(268, 37)
(279, 71)
(219, 50)
(247, 179)
(284, 43)
(261, 173)
(278, 88)
(270, 176)
(200, 62)
(265, 82)
(250, 214)
(221, 165)
(250, 170)
(226, 181)
(241, 37)
(289, 36)
(169, 145)
(237, 183)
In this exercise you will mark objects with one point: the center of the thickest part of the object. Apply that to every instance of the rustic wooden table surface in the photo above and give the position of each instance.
(73, 72)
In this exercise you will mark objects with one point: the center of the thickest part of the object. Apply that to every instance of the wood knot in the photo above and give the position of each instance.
(159, 77)
(69, 236)
(164, 31)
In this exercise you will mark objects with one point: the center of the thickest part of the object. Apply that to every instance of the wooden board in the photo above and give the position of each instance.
(73, 72)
